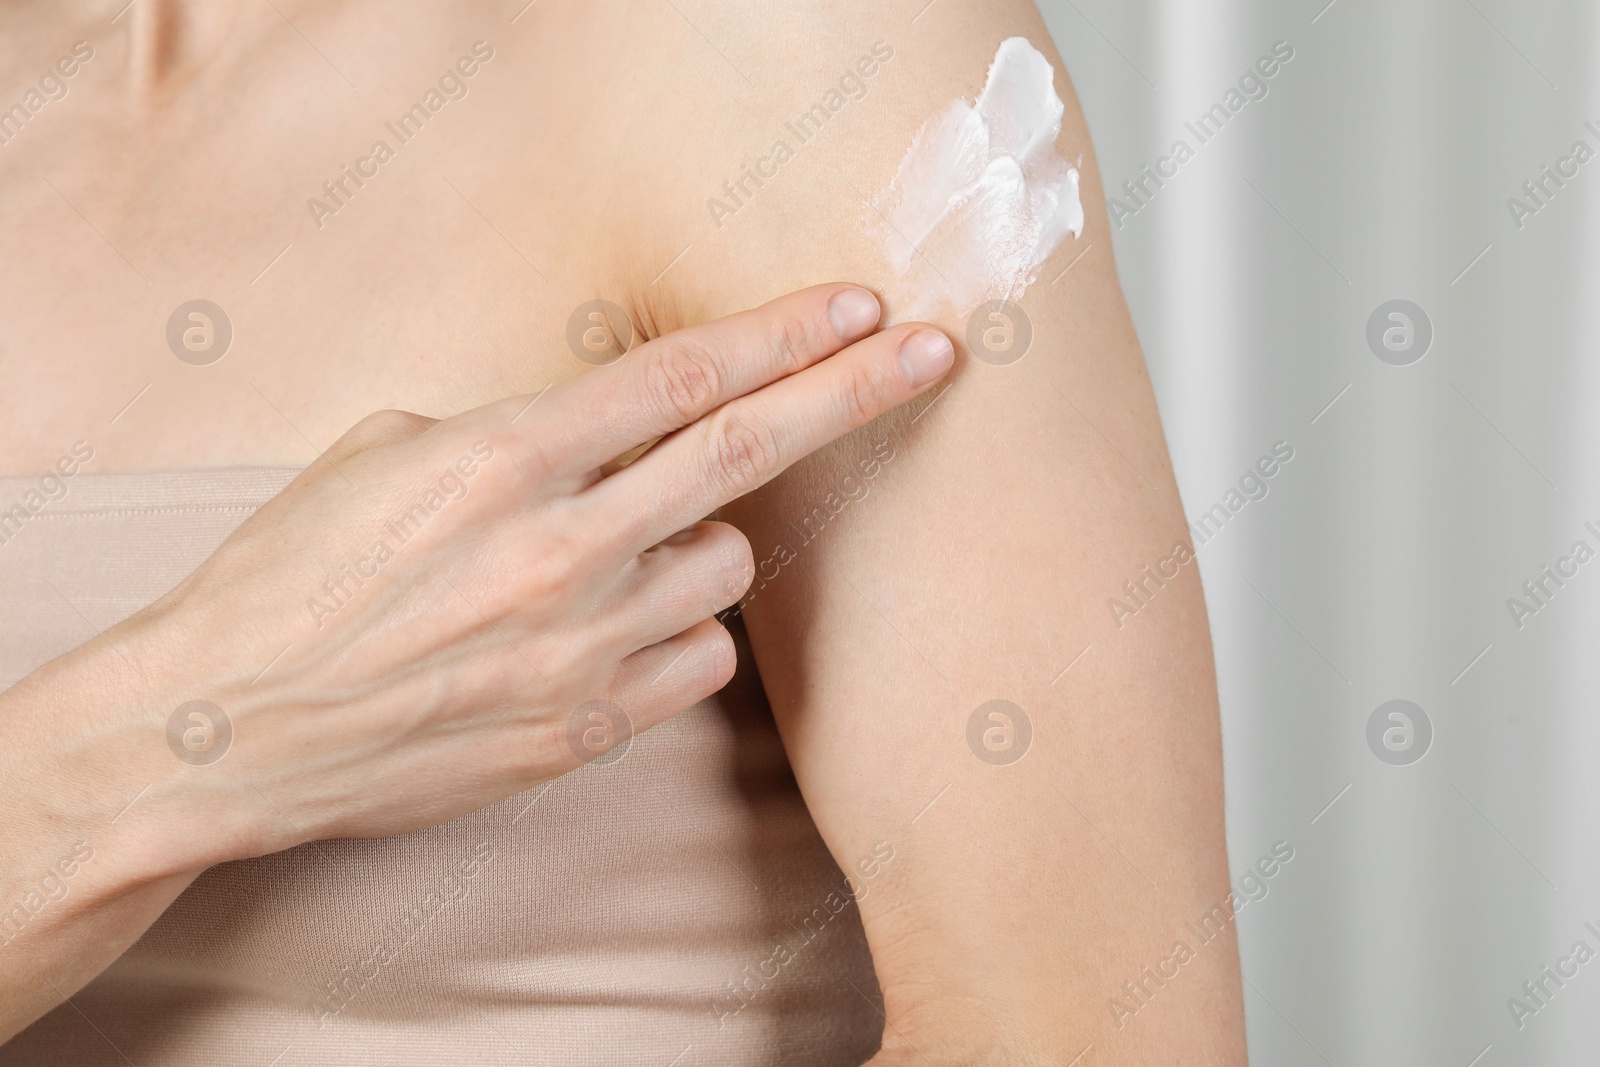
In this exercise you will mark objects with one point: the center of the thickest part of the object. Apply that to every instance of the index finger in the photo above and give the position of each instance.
(678, 378)
(749, 441)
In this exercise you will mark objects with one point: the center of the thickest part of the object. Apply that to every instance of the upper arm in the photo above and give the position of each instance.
(939, 559)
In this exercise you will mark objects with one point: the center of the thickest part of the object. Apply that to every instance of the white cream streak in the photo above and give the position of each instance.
(981, 199)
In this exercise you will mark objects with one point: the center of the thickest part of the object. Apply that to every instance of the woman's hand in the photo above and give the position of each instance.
(471, 608)
(436, 615)
(443, 613)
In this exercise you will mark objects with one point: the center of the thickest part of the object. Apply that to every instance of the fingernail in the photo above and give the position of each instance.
(854, 313)
(924, 356)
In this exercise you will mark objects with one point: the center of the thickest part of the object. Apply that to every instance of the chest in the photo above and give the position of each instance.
(236, 276)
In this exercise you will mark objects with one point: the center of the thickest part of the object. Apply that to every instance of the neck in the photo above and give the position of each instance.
(169, 37)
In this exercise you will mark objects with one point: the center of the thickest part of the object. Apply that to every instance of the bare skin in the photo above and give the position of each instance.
(179, 166)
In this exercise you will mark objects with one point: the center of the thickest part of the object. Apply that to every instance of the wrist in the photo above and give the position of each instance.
(89, 773)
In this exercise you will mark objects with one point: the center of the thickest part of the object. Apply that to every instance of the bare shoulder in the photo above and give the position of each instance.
(769, 152)
(752, 145)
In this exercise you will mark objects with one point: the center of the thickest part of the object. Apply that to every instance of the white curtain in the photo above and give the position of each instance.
(1380, 565)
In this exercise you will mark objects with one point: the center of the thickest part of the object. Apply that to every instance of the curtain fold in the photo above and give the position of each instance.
(1433, 489)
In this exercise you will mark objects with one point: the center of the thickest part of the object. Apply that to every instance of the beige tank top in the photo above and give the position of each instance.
(673, 908)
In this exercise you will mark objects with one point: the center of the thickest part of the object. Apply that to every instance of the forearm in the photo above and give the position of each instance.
(99, 838)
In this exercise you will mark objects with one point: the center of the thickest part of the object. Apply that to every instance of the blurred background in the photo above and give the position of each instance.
(1446, 856)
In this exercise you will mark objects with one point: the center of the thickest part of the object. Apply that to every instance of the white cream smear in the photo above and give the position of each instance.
(981, 199)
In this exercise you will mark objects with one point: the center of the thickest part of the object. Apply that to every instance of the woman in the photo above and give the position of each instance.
(304, 807)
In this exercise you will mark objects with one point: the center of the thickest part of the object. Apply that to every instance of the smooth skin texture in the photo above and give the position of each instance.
(454, 674)
(977, 567)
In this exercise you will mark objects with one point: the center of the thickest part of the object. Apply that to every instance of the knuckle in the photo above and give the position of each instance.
(528, 460)
(735, 565)
(682, 379)
(537, 753)
(495, 603)
(860, 396)
(565, 658)
(717, 661)
(383, 427)
(743, 453)
(790, 339)
(549, 574)
(391, 420)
